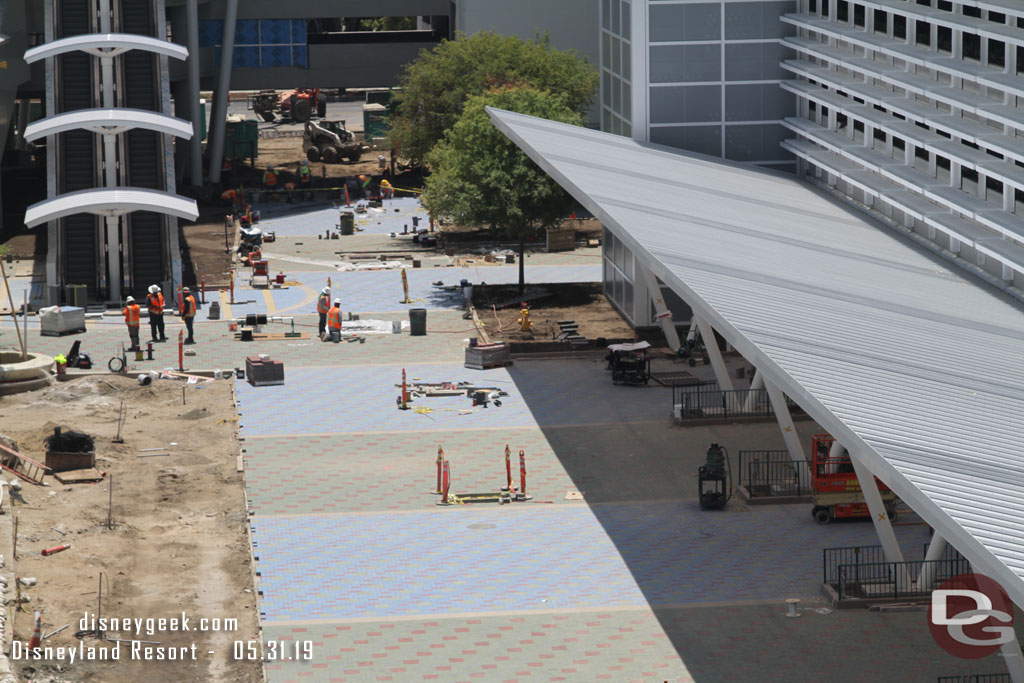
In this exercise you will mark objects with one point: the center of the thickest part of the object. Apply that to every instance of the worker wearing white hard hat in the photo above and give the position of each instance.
(334, 321)
(155, 306)
(131, 319)
(323, 304)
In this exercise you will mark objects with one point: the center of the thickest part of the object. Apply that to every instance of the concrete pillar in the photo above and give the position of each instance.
(711, 345)
(935, 550)
(113, 223)
(220, 95)
(192, 92)
(756, 383)
(883, 527)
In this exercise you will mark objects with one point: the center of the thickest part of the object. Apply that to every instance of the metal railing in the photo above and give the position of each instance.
(976, 678)
(833, 558)
(767, 474)
(708, 401)
(894, 580)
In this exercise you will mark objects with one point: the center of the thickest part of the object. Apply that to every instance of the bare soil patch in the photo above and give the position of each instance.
(179, 541)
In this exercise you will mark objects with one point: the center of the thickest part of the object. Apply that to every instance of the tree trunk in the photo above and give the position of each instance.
(522, 262)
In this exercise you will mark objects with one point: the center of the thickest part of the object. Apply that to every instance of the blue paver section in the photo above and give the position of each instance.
(286, 301)
(671, 553)
(382, 290)
(311, 219)
(356, 399)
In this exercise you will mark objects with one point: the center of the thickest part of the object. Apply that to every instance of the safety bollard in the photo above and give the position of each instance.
(508, 469)
(202, 288)
(56, 549)
(180, 298)
(522, 473)
(232, 281)
(181, 350)
(149, 350)
(405, 288)
(446, 484)
(348, 202)
(405, 393)
(440, 465)
(37, 632)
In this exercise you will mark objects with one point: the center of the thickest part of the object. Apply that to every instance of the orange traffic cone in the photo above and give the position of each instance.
(37, 634)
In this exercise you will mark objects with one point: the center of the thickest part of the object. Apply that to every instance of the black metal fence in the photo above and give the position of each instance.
(833, 558)
(976, 678)
(767, 474)
(706, 401)
(895, 580)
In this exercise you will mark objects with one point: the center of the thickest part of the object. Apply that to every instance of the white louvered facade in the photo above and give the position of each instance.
(912, 109)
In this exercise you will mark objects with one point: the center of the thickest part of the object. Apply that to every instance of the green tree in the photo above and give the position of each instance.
(435, 86)
(388, 24)
(481, 178)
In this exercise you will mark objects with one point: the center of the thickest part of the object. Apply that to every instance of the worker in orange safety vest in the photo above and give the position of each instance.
(131, 319)
(270, 176)
(334, 321)
(188, 312)
(155, 304)
(323, 304)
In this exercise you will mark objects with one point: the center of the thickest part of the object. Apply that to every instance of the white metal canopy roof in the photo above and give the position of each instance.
(916, 369)
(105, 45)
(110, 202)
(110, 121)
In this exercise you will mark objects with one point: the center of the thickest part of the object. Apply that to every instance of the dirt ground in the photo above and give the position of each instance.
(179, 539)
(584, 303)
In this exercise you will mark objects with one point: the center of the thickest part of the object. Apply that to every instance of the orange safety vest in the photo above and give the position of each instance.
(304, 174)
(334, 318)
(269, 178)
(156, 303)
(188, 306)
(323, 304)
(131, 315)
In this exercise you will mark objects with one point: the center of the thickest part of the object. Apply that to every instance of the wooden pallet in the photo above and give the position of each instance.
(85, 476)
(24, 467)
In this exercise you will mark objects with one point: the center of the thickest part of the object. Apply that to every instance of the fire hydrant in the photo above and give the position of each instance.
(524, 321)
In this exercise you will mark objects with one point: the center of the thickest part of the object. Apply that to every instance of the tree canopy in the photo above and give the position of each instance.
(481, 178)
(435, 87)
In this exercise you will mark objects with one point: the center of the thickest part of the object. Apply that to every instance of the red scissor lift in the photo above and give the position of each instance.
(836, 489)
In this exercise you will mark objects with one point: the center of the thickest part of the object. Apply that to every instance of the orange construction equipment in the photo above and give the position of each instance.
(836, 491)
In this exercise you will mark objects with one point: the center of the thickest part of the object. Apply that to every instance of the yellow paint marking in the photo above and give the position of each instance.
(225, 305)
(269, 299)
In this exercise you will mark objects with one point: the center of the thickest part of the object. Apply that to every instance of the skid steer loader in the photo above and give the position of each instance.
(330, 142)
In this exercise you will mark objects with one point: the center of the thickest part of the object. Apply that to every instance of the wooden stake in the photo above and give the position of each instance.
(14, 549)
(110, 504)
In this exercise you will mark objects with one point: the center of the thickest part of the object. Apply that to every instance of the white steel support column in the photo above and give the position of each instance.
(661, 312)
(876, 508)
(711, 348)
(219, 113)
(756, 383)
(785, 420)
(1014, 660)
(113, 223)
(196, 143)
(935, 550)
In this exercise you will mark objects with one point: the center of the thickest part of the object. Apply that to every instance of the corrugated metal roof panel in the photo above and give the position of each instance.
(913, 366)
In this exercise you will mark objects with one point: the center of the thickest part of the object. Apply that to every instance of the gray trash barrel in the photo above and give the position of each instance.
(417, 322)
(348, 223)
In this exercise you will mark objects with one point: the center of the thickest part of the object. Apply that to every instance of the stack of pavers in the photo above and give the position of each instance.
(263, 372)
(570, 331)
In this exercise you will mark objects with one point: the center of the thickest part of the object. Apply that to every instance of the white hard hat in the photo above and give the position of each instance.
(130, 299)
(325, 290)
(153, 289)
(337, 302)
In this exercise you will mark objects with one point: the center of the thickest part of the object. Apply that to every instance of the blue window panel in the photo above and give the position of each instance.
(216, 54)
(211, 32)
(247, 32)
(299, 57)
(247, 56)
(298, 31)
(275, 31)
(275, 55)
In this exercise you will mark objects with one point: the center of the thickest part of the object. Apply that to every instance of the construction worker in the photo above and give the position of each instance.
(364, 180)
(155, 304)
(269, 176)
(334, 321)
(386, 191)
(305, 175)
(323, 304)
(188, 312)
(131, 319)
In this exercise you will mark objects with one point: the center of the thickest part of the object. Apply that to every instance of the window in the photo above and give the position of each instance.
(899, 27)
(971, 46)
(923, 33)
(686, 22)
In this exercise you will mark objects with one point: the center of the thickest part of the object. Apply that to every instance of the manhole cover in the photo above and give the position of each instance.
(481, 526)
